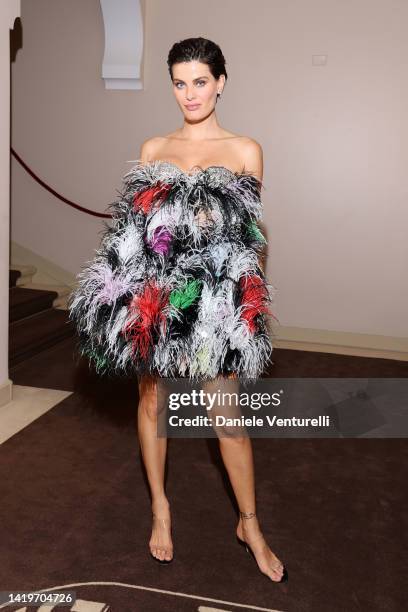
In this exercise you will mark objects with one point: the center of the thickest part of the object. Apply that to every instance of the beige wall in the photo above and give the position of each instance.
(334, 139)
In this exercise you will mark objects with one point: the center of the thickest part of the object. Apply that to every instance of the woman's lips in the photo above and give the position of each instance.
(192, 106)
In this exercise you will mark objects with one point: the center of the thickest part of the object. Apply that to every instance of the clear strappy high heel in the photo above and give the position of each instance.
(244, 515)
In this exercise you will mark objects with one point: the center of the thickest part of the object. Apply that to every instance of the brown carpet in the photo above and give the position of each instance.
(75, 505)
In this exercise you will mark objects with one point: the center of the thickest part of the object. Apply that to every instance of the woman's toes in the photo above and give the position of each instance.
(276, 574)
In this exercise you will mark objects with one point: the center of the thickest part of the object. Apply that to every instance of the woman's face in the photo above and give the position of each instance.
(195, 88)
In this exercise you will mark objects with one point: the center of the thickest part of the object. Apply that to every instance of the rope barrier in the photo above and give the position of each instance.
(55, 193)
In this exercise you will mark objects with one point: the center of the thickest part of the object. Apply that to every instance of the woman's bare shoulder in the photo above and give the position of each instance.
(251, 155)
(150, 146)
(250, 149)
(246, 143)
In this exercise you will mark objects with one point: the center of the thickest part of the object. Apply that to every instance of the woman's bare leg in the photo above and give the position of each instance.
(237, 455)
(154, 451)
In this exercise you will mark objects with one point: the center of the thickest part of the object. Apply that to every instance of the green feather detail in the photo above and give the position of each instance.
(255, 232)
(184, 297)
(101, 362)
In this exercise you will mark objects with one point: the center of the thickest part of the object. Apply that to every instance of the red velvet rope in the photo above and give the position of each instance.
(57, 195)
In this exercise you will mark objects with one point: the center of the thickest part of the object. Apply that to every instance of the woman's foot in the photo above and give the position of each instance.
(248, 530)
(160, 544)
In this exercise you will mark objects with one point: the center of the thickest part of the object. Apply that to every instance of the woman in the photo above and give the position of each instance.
(197, 70)
(177, 289)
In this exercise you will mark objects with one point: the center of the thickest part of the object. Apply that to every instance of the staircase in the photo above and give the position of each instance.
(38, 316)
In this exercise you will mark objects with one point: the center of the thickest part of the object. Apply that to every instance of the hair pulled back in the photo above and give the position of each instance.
(200, 49)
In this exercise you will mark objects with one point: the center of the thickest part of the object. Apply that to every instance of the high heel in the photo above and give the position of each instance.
(285, 575)
(164, 523)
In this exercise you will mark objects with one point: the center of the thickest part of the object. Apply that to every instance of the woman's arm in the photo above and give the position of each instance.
(252, 155)
(253, 163)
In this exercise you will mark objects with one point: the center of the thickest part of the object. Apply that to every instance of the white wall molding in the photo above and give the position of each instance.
(9, 11)
(122, 61)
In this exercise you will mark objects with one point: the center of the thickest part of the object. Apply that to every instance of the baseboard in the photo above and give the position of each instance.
(6, 392)
(343, 343)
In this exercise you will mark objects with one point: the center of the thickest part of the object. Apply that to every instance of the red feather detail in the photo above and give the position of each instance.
(255, 299)
(145, 315)
(144, 199)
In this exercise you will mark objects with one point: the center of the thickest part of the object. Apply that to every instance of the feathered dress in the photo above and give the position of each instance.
(175, 288)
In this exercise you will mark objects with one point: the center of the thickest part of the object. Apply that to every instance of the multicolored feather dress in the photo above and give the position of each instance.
(175, 288)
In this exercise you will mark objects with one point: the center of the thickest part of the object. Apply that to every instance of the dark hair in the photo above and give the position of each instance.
(200, 49)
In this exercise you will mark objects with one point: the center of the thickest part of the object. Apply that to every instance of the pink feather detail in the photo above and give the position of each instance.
(161, 240)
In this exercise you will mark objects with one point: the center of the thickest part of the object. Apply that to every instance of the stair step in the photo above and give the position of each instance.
(29, 336)
(26, 302)
(62, 302)
(63, 291)
(13, 276)
(60, 289)
(26, 272)
(21, 276)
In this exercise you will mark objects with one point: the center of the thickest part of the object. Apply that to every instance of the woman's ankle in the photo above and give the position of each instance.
(160, 503)
(245, 516)
(248, 523)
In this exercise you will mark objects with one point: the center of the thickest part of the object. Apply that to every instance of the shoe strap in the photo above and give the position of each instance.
(165, 521)
(279, 564)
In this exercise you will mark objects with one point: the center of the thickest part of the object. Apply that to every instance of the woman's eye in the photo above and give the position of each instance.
(198, 83)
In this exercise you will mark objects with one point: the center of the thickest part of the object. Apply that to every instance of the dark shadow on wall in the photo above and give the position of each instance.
(16, 39)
